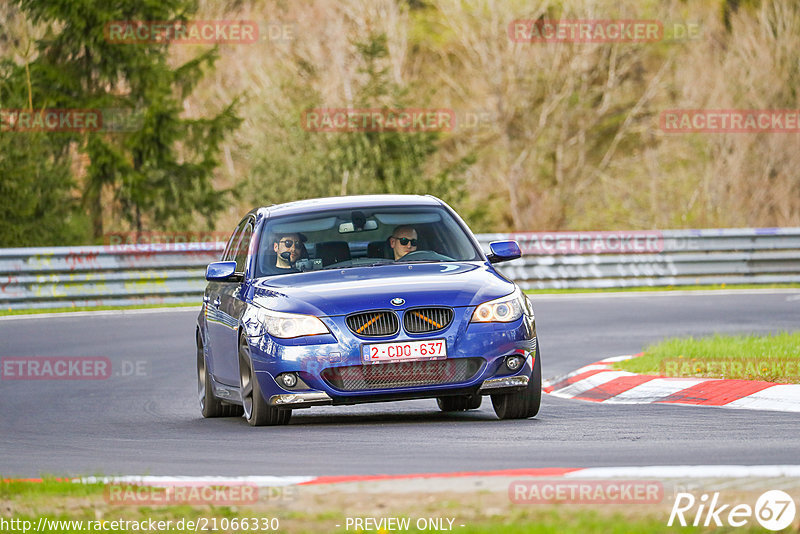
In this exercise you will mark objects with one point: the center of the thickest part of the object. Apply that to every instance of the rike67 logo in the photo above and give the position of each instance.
(774, 510)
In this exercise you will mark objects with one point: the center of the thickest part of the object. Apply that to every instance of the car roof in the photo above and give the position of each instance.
(347, 202)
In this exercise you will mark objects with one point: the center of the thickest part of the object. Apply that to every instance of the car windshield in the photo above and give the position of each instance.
(362, 238)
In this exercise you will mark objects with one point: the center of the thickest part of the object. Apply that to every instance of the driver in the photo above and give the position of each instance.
(288, 248)
(403, 241)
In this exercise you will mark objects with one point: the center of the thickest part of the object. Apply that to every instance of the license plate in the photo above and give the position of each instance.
(431, 349)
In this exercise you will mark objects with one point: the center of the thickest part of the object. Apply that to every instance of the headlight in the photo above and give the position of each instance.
(260, 321)
(503, 310)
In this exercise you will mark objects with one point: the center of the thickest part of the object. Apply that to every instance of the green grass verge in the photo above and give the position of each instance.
(772, 358)
(47, 487)
(663, 288)
(98, 308)
(551, 522)
(480, 513)
(67, 503)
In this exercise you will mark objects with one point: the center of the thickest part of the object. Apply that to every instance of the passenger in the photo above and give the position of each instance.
(403, 241)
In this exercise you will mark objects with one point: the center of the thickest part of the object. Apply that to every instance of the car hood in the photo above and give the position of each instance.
(344, 291)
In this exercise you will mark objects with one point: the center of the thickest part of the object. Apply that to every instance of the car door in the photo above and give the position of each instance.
(231, 298)
(217, 323)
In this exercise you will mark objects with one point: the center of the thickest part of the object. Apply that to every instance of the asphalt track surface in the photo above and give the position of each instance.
(151, 424)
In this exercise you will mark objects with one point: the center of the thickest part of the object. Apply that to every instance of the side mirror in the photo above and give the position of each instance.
(222, 271)
(503, 251)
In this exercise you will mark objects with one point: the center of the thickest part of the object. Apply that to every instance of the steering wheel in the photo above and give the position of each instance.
(425, 255)
(415, 252)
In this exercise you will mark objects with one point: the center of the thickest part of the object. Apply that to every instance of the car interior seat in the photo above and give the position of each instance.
(379, 249)
(331, 252)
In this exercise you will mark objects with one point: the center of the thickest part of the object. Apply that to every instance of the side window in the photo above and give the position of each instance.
(230, 248)
(242, 247)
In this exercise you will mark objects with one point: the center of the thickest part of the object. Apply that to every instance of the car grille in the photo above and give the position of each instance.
(373, 323)
(402, 374)
(422, 320)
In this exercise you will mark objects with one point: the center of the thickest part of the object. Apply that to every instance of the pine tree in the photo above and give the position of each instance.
(160, 172)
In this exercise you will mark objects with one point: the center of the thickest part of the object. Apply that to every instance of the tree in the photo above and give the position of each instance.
(159, 175)
(36, 185)
(357, 70)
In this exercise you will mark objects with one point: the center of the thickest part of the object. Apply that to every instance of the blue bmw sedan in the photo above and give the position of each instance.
(358, 299)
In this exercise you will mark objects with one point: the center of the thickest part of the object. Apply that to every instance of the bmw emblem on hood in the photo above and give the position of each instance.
(397, 301)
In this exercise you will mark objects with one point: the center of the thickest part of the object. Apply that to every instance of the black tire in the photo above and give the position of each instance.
(210, 406)
(522, 404)
(459, 403)
(256, 410)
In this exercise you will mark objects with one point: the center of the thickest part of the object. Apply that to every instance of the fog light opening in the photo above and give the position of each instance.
(289, 380)
(514, 362)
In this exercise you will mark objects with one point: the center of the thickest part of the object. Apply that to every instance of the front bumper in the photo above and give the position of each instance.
(497, 385)
(316, 359)
(304, 399)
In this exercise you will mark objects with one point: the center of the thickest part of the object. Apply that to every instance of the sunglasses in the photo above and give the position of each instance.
(405, 241)
(289, 243)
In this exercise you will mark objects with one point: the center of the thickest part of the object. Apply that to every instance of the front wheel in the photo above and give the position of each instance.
(525, 403)
(256, 410)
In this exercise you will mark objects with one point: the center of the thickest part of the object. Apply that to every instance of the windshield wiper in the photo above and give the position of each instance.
(374, 264)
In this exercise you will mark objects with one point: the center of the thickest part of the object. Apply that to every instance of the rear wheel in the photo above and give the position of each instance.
(256, 410)
(525, 403)
(210, 406)
(459, 403)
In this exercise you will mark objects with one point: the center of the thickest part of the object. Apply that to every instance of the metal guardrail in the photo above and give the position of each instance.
(174, 273)
(662, 258)
(104, 275)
